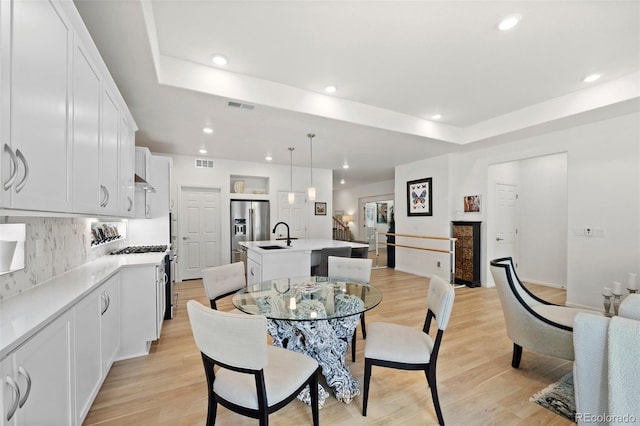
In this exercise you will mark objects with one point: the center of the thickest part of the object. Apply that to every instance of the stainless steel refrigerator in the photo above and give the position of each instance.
(250, 221)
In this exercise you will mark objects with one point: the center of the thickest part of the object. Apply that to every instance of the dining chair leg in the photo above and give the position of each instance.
(431, 379)
(313, 390)
(353, 347)
(364, 327)
(367, 379)
(517, 356)
(212, 411)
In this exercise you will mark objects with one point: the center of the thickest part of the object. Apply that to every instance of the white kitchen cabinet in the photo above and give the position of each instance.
(37, 378)
(36, 58)
(96, 327)
(86, 133)
(254, 270)
(142, 306)
(88, 363)
(110, 321)
(109, 154)
(127, 168)
(142, 194)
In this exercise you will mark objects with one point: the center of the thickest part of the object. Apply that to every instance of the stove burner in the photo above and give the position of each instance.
(141, 249)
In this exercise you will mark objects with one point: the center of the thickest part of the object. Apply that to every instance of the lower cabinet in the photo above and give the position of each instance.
(96, 330)
(37, 385)
(142, 308)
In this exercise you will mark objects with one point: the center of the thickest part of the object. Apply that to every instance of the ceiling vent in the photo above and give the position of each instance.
(235, 104)
(204, 164)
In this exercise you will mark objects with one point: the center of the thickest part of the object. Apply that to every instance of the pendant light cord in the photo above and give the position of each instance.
(311, 136)
(291, 169)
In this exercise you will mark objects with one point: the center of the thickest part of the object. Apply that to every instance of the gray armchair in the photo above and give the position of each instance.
(532, 322)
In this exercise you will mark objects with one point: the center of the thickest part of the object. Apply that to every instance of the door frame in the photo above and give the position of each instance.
(224, 212)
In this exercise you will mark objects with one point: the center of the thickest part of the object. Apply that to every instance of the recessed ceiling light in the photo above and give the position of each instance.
(330, 89)
(207, 130)
(345, 166)
(436, 116)
(202, 151)
(268, 157)
(591, 78)
(219, 60)
(341, 181)
(509, 22)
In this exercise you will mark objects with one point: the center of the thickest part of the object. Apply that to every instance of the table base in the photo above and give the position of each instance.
(326, 342)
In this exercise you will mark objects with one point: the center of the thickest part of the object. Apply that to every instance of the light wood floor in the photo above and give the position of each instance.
(476, 383)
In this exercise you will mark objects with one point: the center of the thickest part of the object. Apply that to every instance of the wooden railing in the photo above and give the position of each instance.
(341, 230)
(451, 250)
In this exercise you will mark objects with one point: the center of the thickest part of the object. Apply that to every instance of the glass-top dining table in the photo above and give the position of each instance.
(316, 316)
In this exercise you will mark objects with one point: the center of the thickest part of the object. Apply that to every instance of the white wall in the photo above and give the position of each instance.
(603, 193)
(184, 173)
(603, 188)
(543, 220)
(415, 261)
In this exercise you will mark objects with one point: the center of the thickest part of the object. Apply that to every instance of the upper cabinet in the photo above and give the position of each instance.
(36, 149)
(86, 132)
(62, 143)
(127, 168)
(109, 158)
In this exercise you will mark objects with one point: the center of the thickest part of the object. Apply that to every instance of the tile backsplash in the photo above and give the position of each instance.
(53, 247)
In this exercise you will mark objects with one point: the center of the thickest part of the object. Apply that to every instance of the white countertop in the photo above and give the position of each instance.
(299, 245)
(24, 314)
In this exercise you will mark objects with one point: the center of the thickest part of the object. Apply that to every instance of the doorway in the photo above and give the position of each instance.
(376, 214)
(199, 230)
(529, 217)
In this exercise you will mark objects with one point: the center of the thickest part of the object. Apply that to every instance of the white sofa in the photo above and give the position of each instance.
(606, 369)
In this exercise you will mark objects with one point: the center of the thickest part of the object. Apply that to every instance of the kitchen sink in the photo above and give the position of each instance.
(273, 247)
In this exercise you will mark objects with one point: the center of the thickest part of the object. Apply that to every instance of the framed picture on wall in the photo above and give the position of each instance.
(321, 209)
(419, 197)
(472, 204)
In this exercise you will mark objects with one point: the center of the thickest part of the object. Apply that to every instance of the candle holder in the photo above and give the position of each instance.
(616, 303)
(607, 305)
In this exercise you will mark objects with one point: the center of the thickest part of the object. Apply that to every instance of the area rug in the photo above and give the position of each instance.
(558, 397)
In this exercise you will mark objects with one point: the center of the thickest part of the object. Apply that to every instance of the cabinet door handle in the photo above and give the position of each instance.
(22, 182)
(14, 162)
(499, 239)
(106, 191)
(130, 203)
(23, 372)
(103, 202)
(147, 209)
(106, 294)
(16, 396)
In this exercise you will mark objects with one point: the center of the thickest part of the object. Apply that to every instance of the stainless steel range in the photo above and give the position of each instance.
(168, 265)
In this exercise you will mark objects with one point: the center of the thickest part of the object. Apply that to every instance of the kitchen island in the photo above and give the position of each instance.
(270, 259)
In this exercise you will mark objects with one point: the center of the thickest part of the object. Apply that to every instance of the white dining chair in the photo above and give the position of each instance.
(223, 281)
(407, 348)
(251, 377)
(352, 269)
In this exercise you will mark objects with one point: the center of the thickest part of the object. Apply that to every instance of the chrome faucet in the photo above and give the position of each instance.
(288, 235)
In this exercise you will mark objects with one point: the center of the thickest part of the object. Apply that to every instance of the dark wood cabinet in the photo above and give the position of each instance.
(467, 259)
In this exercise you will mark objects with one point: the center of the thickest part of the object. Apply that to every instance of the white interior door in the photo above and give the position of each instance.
(505, 240)
(294, 215)
(199, 224)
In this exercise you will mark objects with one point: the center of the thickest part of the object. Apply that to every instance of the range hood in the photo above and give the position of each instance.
(143, 184)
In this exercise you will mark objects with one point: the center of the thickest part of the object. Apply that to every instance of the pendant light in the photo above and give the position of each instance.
(291, 197)
(311, 191)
